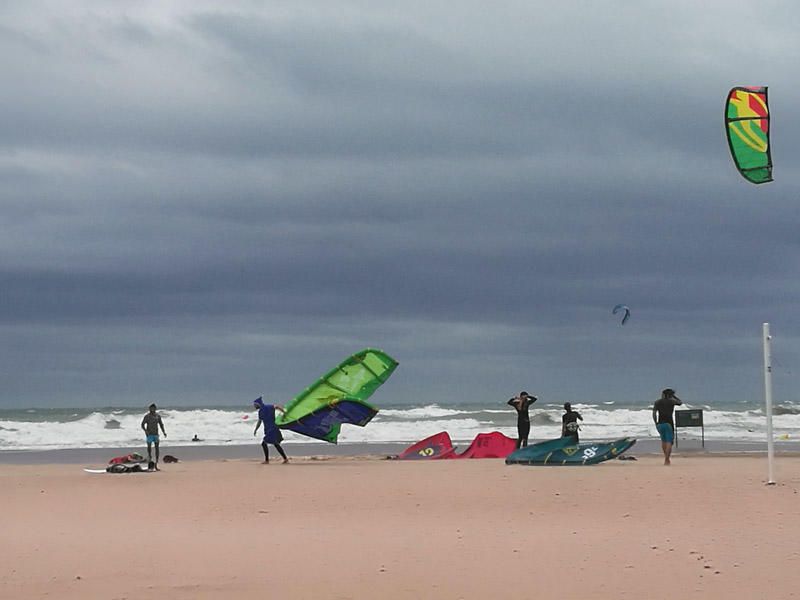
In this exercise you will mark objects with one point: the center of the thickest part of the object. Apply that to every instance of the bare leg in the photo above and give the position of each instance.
(156, 444)
(667, 453)
(149, 452)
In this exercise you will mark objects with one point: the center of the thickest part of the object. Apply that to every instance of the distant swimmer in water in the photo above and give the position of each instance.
(272, 435)
(569, 422)
(521, 403)
(196, 439)
(150, 424)
(663, 410)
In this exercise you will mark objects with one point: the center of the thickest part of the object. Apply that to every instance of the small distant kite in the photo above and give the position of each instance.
(622, 307)
(747, 128)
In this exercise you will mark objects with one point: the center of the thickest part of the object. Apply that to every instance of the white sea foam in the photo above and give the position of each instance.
(423, 412)
(461, 430)
(27, 430)
(215, 426)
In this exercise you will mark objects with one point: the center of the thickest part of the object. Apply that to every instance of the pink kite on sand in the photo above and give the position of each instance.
(439, 446)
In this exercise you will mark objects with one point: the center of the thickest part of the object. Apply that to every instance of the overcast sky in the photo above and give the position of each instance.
(202, 202)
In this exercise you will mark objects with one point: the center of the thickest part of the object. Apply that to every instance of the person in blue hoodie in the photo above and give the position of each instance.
(272, 435)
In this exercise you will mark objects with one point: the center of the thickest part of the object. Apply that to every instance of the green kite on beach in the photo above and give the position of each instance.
(339, 397)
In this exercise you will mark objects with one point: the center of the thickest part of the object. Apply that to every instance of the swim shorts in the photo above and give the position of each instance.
(152, 439)
(666, 432)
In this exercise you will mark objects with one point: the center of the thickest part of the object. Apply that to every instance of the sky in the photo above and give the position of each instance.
(203, 202)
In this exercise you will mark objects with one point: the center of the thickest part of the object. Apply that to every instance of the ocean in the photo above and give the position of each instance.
(115, 427)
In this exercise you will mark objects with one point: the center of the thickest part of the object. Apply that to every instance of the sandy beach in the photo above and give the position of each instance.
(341, 527)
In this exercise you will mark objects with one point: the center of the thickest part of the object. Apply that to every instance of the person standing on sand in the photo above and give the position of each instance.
(569, 422)
(150, 424)
(521, 404)
(272, 435)
(663, 410)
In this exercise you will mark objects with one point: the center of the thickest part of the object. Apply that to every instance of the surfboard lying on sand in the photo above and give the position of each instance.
(564, 451)
(115, 469)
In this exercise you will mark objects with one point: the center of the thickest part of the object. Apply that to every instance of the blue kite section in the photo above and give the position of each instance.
(324, 424)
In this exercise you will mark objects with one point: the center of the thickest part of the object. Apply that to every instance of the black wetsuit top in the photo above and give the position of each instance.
(522, 409)
(665, 408)
(567, 418)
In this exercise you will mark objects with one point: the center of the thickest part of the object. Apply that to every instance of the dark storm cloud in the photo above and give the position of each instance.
(208, 201)
(251, 84)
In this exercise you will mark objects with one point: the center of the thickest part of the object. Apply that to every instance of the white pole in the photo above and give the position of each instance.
(768, 400)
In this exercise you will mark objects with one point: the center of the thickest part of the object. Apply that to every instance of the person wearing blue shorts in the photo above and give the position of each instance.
(663, 409)
(150, 424)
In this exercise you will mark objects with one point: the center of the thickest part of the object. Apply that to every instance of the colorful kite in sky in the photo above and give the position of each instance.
(339, 397)
(747, 127)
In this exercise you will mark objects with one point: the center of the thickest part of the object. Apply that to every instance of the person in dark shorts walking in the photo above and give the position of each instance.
(150, 424)
(569, 422)
(663, 409)
(272, 435)
(521, 403)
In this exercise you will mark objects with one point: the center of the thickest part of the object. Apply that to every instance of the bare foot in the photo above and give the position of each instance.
(266, 462)
(285, 461)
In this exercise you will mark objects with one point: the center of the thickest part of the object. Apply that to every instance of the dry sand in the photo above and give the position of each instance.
(707, 527)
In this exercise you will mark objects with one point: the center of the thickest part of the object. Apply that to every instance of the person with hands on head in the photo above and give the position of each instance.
(272, 434)
(521, 403)
(663, 410)
(150, 424)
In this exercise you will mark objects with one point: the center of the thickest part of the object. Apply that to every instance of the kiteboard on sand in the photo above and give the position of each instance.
(564, 451)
